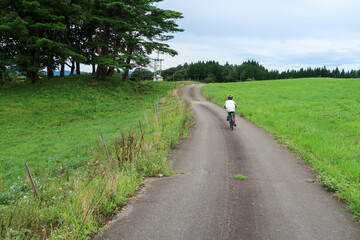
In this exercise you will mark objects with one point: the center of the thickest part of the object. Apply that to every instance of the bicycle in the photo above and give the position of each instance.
(231, 120)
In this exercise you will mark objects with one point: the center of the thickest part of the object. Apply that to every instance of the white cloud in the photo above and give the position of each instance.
(279, 34)
(279, 54)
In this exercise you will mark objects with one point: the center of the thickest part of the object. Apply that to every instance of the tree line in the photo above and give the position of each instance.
(110, 35)
(212, 71)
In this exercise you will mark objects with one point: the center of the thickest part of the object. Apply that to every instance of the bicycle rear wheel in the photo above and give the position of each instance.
(231, 121)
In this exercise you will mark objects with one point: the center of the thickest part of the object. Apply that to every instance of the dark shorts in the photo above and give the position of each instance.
(232, 113)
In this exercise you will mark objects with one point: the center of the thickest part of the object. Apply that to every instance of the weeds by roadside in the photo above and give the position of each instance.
(74, 204)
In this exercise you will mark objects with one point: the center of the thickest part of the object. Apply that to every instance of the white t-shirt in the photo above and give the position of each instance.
(230, 106)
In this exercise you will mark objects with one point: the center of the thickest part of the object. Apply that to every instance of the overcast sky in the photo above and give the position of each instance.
(279, 34)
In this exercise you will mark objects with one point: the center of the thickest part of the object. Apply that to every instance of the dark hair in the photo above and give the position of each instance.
(230, 97)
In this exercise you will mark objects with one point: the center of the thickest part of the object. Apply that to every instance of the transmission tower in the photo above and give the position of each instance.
(157, 67)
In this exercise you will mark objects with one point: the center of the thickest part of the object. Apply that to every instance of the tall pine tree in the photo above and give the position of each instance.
(29, 31)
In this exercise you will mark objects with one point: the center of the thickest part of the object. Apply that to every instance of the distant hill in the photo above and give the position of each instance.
(57, 73)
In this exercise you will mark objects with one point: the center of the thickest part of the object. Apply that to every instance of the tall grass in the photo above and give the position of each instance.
(75, 202)
(55, 123)
(318, 118)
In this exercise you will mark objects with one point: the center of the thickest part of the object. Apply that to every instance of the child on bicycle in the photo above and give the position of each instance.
(230, 106)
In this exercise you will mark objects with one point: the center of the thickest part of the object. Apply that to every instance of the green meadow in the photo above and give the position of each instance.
(55, 123)
(88, 148)
(41, 120)
(318, 118)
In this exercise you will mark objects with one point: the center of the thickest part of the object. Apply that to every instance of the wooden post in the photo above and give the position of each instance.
(107, 152)
(146, 120)
(31, 180)
(140, 126)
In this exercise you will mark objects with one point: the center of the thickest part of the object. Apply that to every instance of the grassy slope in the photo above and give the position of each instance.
(75, 203)
(317, 118)
(40, 121)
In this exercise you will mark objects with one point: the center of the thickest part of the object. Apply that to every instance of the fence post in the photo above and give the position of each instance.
(146, 119)
(31, 180)
(140, 126)
(106, 149)
(157, 104)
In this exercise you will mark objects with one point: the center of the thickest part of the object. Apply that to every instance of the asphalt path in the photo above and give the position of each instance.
(278, 200)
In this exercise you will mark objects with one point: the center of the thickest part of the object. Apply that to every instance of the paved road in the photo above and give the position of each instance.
(207, 202)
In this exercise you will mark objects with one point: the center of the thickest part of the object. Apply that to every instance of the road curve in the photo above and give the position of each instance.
(277, 201)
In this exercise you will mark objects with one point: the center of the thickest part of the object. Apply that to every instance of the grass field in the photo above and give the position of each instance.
(42, 120)
(317, 118)
(82, 179)
(64, 117)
